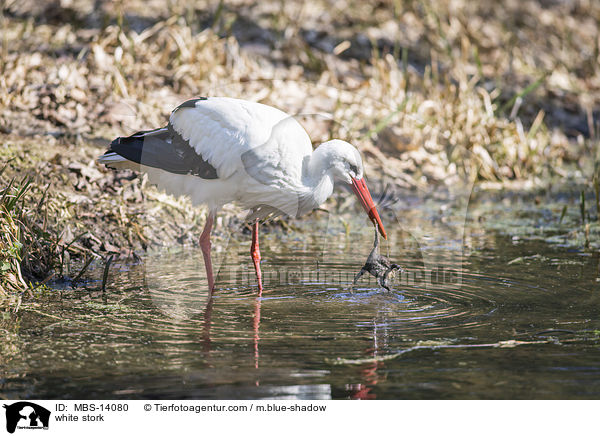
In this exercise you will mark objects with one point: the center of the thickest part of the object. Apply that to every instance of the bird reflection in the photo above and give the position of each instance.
(206, 339)
(256, 326)
(362, 391)
(206, 342)
(368, 372)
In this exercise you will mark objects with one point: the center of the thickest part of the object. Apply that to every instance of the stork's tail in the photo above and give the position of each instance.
(126, 152)
(116, 161)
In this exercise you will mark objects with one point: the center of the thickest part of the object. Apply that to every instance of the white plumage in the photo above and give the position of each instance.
(219, 150)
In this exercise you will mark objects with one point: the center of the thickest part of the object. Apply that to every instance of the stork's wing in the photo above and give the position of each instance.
(234, 135)
(217, 137)
(160, 148)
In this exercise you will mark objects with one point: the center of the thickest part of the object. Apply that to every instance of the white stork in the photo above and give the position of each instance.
(219, 150)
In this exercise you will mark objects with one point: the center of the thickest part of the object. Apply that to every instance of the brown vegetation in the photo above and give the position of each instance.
(427, 90)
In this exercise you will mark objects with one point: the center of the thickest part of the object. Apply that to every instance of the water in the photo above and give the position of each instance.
(486, 324)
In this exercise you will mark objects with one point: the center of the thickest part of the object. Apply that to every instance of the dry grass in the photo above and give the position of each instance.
(10, 238)
(66, 212)
(477, 82)
(428, 90)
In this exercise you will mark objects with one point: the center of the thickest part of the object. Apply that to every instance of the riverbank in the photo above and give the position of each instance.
(431, 94)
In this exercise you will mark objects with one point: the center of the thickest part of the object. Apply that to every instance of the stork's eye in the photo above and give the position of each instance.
(354, 169)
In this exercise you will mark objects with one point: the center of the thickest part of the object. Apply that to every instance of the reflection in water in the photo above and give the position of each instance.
(161, 334)
(176, 282)
(256, 325)
(363, 391)
(207, 321)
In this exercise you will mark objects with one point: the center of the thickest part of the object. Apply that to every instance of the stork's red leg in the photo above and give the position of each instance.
(205, 246)
(255, 252)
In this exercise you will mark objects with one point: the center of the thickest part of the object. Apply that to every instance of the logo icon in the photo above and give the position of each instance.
(26, 415)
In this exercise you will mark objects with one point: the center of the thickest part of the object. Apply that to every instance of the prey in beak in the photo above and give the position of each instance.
(364, 196)
(378, 266)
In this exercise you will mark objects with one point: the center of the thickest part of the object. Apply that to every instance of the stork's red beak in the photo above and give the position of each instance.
(364, 196)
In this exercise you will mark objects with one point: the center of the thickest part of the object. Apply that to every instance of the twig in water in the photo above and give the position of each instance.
(105, 275)
(85, 267)
(562, 214)
(39, 312)
(501, 344)
(544, 332)
(582, 207)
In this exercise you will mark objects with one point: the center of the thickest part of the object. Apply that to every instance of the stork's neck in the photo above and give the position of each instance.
(317, 175)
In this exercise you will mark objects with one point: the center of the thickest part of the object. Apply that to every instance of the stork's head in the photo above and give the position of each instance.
(347, 166)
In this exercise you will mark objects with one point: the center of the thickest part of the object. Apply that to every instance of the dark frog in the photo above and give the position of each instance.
(378, 266)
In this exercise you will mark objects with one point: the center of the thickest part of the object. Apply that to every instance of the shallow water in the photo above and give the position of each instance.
(479, 321)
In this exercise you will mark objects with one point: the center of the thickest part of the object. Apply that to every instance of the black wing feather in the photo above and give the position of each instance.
(165, 149)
